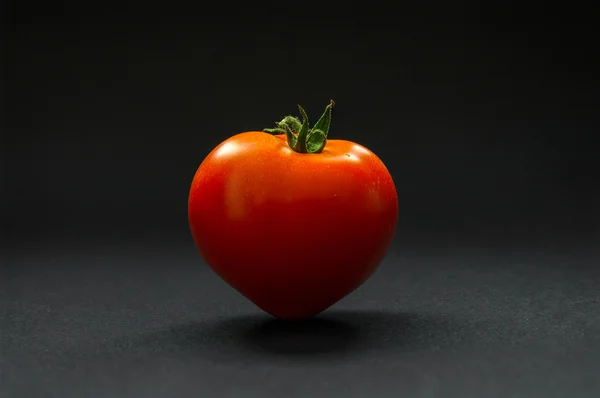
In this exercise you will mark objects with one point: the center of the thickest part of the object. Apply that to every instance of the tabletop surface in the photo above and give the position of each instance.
(156, 322)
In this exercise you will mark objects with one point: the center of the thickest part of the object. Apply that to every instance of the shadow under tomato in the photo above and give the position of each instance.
(307, 337)
(333, 332)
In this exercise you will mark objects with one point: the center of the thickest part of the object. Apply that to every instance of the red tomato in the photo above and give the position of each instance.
(293, 221)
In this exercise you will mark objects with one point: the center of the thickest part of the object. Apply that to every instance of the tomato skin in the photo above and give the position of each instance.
(292, 232)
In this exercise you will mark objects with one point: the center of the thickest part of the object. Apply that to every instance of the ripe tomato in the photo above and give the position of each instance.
(293, 221)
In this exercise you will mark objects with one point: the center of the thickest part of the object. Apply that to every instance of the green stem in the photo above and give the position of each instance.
(300, 137)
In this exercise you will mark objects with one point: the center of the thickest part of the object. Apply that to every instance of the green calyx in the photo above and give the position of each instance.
(300, 137)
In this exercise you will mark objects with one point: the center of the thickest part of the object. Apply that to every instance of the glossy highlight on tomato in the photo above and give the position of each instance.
(292, 220)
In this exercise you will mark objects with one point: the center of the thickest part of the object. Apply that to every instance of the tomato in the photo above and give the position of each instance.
(290, 219)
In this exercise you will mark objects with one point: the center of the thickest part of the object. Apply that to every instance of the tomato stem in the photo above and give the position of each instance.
(300, 137)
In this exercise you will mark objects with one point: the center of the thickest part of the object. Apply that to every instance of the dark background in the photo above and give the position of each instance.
(485, 119)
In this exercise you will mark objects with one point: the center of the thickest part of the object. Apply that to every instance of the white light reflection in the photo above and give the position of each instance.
(228, 149)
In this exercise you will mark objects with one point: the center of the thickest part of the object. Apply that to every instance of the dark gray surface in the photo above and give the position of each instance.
(135, 322)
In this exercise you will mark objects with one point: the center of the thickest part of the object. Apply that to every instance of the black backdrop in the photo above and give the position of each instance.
(485, 123)
(485, 119)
